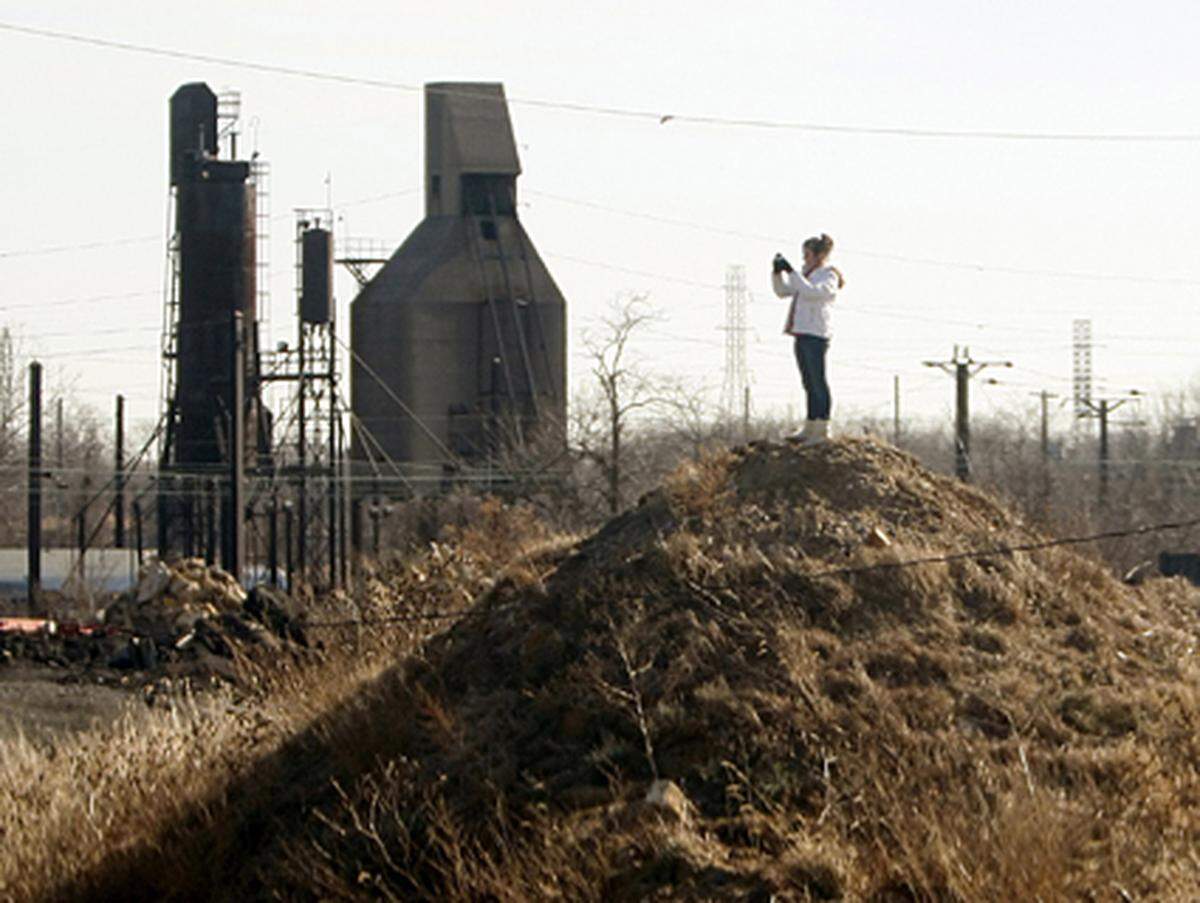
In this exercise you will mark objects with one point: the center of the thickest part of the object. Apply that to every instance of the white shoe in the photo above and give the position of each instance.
(820, 433)
(805, 434)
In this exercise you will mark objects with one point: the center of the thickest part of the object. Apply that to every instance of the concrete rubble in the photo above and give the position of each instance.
(182, 619)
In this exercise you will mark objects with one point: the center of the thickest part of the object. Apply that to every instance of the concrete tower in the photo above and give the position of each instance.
(460, 339)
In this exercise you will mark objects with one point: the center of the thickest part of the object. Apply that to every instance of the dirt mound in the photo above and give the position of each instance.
(736, 691)
(816, 717)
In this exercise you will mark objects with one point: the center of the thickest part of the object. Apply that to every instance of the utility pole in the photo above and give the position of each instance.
(302, 460)
(289, 560)
(119, 477)
(235, 517)
(273, 538)
(1044, 443)
(1103, 414)
(896, 410)
(210, 518)
(1100, 409)
(81, 539)
(356, 532)
(334, 520)
(34, 499)
(376, 512)
(342, 473)
(139, 539)
(1045, 434)
(746, 414)
(60, 462)
(59, 456)
(963, 368)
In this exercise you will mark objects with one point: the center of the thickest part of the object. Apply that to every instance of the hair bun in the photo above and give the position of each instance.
(822, 245)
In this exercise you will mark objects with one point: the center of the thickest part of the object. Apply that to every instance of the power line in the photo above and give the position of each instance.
(99, 352)
(85, 300)
(1036, 546)
(115, 330)
(968, 266)
(85, 246)
(396, 398)
(1029, 271)
(375, 198)
(852, 309)
(656, 117)
(904, 564)
(713, 286)
(145, 239)
(630, 271)
(657, 218)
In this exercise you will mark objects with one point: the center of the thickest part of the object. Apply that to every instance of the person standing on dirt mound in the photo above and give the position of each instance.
(811, 291)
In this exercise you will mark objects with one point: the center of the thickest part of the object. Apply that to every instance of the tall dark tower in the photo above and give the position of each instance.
(464, 324)
(215, 224)
(214, 276)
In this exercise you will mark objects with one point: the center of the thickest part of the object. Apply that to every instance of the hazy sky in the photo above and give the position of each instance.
(84, 161)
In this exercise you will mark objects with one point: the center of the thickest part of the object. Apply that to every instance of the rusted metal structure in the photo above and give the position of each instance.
(215, 224)
(213, 282)
(459, 341)
(310, 447)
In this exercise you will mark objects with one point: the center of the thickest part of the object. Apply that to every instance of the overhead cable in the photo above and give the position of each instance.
(969, 266)
(656, 117)
(903, 564)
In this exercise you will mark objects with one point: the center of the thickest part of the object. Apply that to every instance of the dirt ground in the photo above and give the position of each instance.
(44, 703)
(183, 629)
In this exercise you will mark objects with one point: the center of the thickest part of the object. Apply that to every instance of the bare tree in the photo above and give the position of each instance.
(12, 397)
(623, 389)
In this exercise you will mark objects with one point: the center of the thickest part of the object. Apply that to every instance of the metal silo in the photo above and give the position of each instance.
(316, 275)
(215, 223)
(460, 340)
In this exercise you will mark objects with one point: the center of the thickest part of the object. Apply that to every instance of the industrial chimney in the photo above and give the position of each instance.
(460, 340)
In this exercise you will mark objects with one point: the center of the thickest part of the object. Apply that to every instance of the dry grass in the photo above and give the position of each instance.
(81, 817)
(1017, 727)
(67, 810)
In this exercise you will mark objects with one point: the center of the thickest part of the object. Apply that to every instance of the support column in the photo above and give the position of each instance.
(119, 477)
(34, 523)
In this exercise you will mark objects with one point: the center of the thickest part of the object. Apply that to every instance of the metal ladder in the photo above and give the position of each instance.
(518, 328)
(475, 237)
(169, 341)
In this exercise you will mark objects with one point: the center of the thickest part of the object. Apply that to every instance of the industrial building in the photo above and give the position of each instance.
(458, 346)
(459, 341)
(211, 329)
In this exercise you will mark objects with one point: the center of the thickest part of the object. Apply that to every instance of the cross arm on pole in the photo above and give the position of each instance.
(977, 366)
(1105, 406)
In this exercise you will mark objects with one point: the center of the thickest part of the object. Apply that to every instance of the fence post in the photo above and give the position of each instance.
(119, 476)
(34, 498)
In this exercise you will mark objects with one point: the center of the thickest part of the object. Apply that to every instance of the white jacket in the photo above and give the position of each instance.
(811, 297)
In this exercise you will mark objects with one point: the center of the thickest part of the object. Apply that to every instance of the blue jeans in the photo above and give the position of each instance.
(810, 356)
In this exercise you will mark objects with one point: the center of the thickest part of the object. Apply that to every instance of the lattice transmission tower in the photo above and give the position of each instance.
(735, 389)
(1081, 369)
